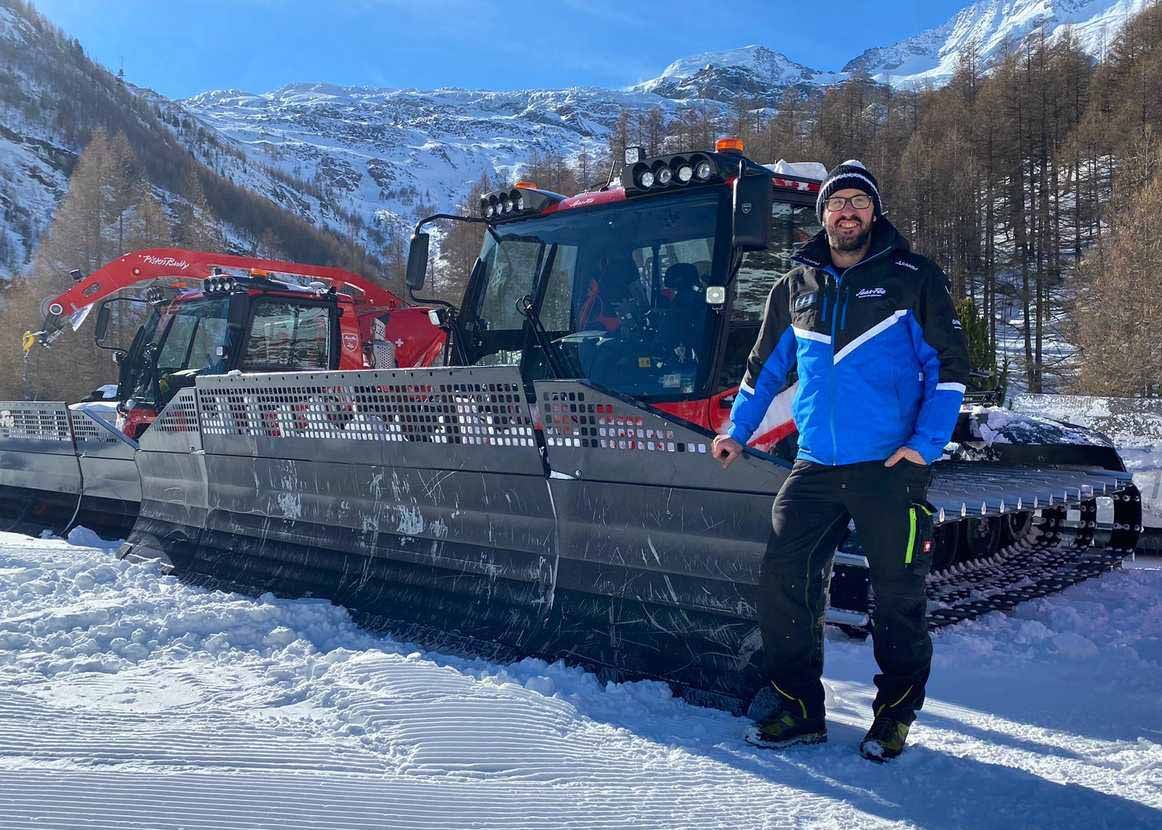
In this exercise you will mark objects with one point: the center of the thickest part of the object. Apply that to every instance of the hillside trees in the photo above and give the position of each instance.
(448, 276)
(80, 98)
(106, 212)
(1120, 306)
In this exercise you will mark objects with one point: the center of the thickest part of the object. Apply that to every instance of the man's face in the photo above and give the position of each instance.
(848, 229)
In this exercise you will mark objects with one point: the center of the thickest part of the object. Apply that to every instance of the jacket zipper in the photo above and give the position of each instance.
(831, 369)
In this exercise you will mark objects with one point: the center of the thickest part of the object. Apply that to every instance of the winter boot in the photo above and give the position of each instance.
(787, 724)
(885, 740)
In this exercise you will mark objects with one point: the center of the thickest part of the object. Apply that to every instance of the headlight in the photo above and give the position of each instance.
(519, 203)
(665, 176)
(704, 170)
(685, 173)
(647, 179)
(489, 210)
(506, 205)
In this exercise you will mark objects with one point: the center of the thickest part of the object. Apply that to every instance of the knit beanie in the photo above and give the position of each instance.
(850, 174)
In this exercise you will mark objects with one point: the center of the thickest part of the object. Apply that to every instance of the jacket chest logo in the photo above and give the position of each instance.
(866, 293)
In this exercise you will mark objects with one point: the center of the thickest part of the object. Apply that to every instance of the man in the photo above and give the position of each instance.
(882, 362)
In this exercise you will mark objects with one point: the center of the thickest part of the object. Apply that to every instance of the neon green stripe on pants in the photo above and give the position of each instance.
(911, 536)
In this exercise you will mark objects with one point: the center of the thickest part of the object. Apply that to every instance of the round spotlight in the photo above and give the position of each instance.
(489, 210)
(646, 179)
(506, 205)
(665, 176)
(685, 173)
(519, 203)
(703, 171)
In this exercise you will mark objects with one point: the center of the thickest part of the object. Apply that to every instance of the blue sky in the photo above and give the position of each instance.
(181, 47)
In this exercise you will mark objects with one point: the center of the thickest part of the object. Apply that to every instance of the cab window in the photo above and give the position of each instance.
(791, 226)
(194, 335)
(286, 336)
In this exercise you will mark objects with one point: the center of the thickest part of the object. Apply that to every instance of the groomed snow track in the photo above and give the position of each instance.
(447, 507)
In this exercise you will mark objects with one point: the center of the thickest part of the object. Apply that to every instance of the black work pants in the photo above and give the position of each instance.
(894, 523)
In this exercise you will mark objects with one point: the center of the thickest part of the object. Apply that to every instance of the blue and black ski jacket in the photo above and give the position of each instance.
(880, 354)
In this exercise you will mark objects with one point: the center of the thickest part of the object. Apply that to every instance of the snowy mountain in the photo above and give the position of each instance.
(52, 98)
(34, 162)
(992, 26)
(388, 155)
(385, 155)
(747, 73)
(363, 161)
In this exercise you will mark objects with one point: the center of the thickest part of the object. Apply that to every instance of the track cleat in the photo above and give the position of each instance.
(885, 740)
(786, 726)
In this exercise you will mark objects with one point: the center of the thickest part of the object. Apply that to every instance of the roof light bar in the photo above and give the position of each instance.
(522, 201)
(669, 172)
(218, 284)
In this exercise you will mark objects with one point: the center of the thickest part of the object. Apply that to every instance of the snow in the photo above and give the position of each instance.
(128, 699)
(803, 169)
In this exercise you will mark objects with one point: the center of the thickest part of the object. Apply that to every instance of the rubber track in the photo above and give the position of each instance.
(1036, 565)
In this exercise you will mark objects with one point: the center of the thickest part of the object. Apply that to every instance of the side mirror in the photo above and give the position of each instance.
(417, 261)
(117, 335)
(752, 212)
(101, 327)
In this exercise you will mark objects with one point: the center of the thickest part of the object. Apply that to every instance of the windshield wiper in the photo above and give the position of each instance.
(554, 354)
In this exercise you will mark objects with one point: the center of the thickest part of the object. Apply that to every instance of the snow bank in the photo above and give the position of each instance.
(130, 700)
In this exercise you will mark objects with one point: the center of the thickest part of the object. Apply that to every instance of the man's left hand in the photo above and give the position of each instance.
(908, 453)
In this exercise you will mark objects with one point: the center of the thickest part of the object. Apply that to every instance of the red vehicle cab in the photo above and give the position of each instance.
(653, 289)
(211, 313)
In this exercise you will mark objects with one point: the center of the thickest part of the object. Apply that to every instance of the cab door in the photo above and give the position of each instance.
(290, 334)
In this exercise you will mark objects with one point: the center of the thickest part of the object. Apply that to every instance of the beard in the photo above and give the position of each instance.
(849, 243)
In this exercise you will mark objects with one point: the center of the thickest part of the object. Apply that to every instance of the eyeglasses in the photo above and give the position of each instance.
(860, 201)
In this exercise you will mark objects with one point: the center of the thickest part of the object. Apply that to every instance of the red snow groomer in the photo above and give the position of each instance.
(548, 490)
(211, 313)
(191, 314)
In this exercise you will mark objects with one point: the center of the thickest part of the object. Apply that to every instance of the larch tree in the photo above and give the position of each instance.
(1120, 308)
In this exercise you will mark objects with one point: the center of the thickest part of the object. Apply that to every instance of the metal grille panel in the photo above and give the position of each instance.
(181, 415)
(35, 421)
(574, 419)
(480, 414)
(89, 432)
(592, 435)
(459, 418)
(176, 428)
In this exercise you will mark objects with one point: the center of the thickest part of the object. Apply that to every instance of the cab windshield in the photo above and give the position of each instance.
(190, 342)
(619, 290)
